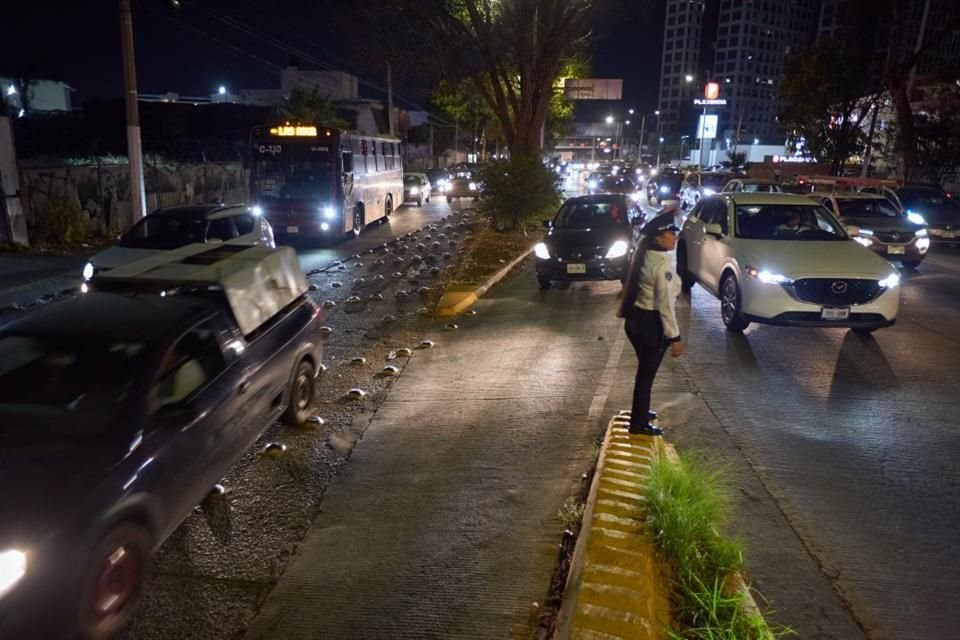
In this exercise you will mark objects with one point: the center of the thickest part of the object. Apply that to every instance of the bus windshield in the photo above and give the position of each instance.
(291, 172)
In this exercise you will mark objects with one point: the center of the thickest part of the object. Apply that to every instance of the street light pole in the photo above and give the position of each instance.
(134, 151)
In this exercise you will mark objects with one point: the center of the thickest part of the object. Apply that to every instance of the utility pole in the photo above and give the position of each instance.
(13, 224)
(134, 151)
(432, 154)
(390, 99)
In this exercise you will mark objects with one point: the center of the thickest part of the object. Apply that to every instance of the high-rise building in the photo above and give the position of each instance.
(683, 34)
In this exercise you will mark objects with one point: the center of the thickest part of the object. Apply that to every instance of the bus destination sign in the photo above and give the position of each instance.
(299, 131)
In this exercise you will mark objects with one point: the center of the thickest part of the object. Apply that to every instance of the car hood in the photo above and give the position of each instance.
(842, 259)
(45, 488)
(885, 223)
(119, 256)
(563, 241)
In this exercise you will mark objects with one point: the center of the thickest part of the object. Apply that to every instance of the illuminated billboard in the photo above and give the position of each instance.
(593, 88)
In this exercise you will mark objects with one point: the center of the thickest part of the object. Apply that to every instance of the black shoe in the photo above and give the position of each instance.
(647, 430)
(651, 415)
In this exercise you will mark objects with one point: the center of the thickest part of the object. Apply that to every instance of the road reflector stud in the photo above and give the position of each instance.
(450, 327)
(275, 449)
(404, 352)
(312, 287)
(389, 318)
(353, 300)
(329, 304)
(325, 331)
(376, 297)
(355, 394)
(314, 421)
(425, 344)
(358, 360)
(390, 370)
(335, 285)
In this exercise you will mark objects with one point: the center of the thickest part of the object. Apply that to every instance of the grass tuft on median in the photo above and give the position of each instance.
(487, 253)
(688, 503)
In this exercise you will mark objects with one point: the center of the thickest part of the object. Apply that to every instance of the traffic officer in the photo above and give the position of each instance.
(649, 295)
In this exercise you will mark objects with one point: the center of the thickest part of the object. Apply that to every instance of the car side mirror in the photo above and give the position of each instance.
(853, 231)
(548, 223)
(713, 229)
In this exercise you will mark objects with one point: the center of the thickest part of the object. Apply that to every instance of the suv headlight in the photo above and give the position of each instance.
(767, 277)
(915, 217)
(617, 249)
(88, 271)
(13, 565)
(541, 251)
(414, 190)
(890, 281)
(864, 240)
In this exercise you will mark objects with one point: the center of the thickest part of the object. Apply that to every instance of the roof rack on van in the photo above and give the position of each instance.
(257, 281)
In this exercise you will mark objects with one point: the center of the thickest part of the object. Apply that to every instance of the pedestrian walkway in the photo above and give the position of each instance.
(444, 523)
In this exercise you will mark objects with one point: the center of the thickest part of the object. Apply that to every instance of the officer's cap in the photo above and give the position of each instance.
(663, 222)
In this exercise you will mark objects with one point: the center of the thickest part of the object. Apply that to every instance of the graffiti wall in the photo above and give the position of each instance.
(102, 191)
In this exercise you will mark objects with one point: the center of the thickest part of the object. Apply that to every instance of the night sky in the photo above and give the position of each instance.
(193, 50)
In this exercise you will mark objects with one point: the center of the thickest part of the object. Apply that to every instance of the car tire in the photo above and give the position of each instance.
(686, 278)
(544, 283)
(730, 305)
(420, 202)
(115, 581)
(303, 392)
(911, 264)
(449, 200)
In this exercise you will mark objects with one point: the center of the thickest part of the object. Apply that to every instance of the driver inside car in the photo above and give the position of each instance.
(793, 225)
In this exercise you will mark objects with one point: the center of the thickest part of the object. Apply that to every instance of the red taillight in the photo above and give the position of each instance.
(950, 195)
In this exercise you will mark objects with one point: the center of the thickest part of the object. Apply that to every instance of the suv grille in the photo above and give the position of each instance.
(893, 236)
(839, 292)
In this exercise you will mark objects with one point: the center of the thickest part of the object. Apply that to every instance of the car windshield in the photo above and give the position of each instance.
(761, 187)
(617, 183)
(165, 231)
(589, 215)
(867, 208)
(714, 180)
(58, 390)
(411, 181)
(787, 222)
(920, 199)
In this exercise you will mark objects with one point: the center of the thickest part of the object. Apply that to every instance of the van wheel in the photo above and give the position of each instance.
(115, 581)
(303, 390)
(357, 220)
(730, 305)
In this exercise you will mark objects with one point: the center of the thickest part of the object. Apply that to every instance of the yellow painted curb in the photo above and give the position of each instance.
(615, 587)
(454, 302)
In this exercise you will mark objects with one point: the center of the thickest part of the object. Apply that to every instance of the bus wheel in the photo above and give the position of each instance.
(357, 220)
(387, 210)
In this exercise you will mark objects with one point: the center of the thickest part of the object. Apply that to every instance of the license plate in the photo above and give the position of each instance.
(293, 229)
(576, 268)
(894, 251)
(948, 234)
(835, 313)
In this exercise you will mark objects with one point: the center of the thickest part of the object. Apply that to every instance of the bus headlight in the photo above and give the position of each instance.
(256, 210)
(13, 565)
(329, 213)
(324, 226)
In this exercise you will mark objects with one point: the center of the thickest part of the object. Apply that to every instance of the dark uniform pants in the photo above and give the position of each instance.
(645, 331)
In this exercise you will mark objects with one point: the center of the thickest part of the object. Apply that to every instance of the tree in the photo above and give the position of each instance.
(308, 105)
(900, 67)
(513, 51)
(826, 98)
(937, 128)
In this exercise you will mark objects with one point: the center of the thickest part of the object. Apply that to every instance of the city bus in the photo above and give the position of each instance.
(316, 182)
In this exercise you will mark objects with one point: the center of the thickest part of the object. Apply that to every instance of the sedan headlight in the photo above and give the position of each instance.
(915, 217)
(541, 251)
(472, 186)
(923, 244)
(707, 191)
(414, 190)
(13, 565)
(618, 249)
(88, 271)
(635, 196)
(864, 240)
(664, 189)
(890, 281)
(592, 184)
(767, 277)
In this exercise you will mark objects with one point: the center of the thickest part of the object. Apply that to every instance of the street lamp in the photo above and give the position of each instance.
(659, 145)
(630, 111)
(222, 90)
(643, 128)
(688, 78)
(11, 90)
(683, 141)
(609, 119)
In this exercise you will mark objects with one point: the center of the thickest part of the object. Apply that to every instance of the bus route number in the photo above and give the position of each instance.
(272, 149)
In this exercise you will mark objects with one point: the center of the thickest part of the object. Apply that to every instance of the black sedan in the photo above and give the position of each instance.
(615, 184)
(940, 212)
(664, 186)
(590, 238)
(118, 414)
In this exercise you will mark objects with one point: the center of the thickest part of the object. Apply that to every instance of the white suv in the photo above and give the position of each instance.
(784, 259)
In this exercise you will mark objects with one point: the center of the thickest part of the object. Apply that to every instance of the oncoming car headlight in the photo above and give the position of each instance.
(890, 281)
(767, 277)
(592, 184)
(707, 191)
(618, 249)
(915, 217)
(864, 240)
(541, 251)
(13, 565)
(88, 271)
(414, 190)
(472, 186)
(664, 189)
